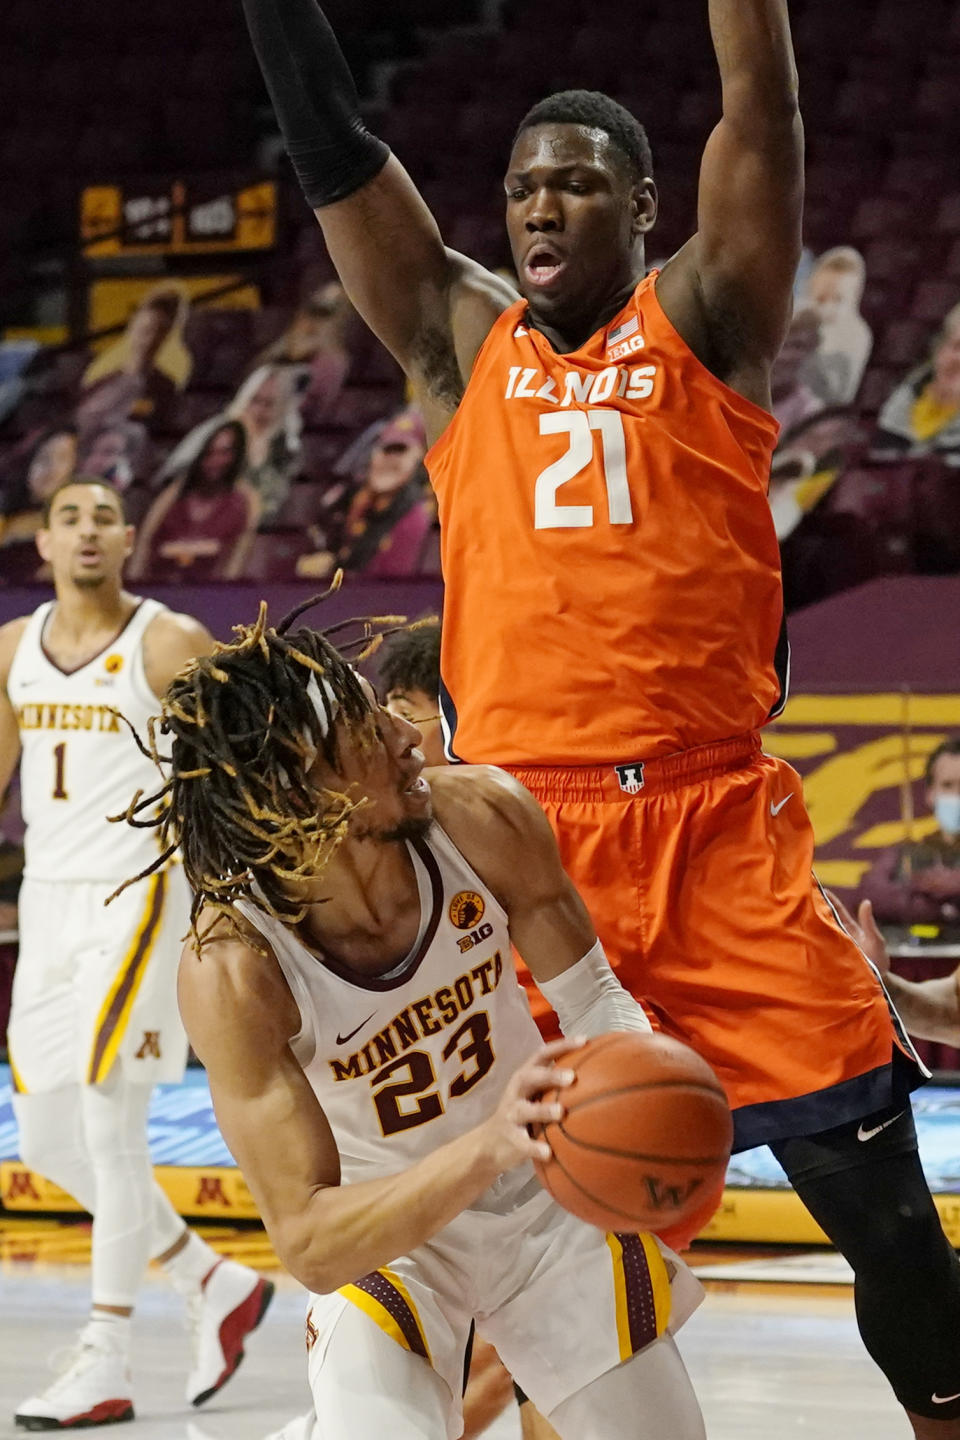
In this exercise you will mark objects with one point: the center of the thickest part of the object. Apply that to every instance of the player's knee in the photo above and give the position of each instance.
(906, 1239)
(36, 1154)
(115, 1130)
(38, 1148)
(908, 1310)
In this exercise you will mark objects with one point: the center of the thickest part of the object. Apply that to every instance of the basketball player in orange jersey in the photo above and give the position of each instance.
(613, 627)
(94, 1023)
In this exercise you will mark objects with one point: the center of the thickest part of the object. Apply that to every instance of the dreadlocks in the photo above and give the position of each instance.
(246, 724)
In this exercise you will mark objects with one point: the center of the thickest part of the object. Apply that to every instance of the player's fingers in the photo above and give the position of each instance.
(841, 909)
(867, 918)
(561, 1047)
(534, 1079)
(537, 1112)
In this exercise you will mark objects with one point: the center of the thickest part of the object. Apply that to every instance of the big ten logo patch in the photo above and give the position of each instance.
(466, 910)
(476, 937)
(862, 759)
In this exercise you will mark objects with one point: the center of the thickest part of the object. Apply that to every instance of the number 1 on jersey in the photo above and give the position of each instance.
(60, 771)
(580, 425)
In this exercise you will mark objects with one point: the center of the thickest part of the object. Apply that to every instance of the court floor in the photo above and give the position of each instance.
(770, 1361)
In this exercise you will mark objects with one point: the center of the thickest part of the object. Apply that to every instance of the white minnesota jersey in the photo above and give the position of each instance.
(404, 1062)
(79, 762)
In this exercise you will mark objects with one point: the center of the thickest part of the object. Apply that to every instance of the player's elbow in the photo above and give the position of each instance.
(309, 1257)
(766, 109)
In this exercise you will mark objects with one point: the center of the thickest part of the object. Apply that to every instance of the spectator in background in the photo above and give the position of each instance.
(316, 337)
(919, 882)
(793, 399)
(266, 405)
(410, 680)
(116, 453)
(139, 376)
(50, 461)
(808, 462)
(389, 517)
(200, 527)
(834, 291)
(922, 416)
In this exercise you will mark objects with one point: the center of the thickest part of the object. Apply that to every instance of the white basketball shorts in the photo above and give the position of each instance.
(562, 1302)
(95, 985)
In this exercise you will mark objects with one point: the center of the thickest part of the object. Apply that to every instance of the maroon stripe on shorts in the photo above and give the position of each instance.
(386, 1294)
(134, 965)
(641, 1307)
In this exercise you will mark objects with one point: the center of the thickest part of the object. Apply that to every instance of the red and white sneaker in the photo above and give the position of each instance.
(230, 1302)
(93, 1389)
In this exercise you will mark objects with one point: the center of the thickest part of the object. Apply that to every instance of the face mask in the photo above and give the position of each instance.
(947, 810)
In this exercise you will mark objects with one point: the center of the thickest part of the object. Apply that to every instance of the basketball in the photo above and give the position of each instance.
(646, 1137)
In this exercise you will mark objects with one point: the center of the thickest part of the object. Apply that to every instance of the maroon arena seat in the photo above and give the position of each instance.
(273, 556)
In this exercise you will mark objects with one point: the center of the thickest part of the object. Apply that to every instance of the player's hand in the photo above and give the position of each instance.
(506, 1138)
(865, 931)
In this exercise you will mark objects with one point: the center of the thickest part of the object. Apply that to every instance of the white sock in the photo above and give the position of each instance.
(190, 1266)
(109, 1332)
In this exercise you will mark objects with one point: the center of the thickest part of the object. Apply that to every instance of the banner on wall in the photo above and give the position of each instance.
(857, 753)
(876, 688)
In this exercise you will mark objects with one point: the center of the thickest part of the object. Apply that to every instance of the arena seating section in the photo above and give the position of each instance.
(95, 91)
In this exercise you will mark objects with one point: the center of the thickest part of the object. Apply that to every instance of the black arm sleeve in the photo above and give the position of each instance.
(314, 98)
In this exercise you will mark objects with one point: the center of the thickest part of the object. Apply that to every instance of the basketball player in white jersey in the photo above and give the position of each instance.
(373, 1062)
(94, 1023)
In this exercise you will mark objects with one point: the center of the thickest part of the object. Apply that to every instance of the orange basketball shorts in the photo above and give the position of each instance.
(698, 873)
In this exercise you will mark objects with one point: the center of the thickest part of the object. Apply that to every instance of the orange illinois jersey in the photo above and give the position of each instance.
(612, 572)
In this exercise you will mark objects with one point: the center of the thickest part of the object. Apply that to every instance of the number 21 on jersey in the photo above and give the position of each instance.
(582, 427)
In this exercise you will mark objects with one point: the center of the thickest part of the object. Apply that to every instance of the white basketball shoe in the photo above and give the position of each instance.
(230, 1301)
(93, 1389)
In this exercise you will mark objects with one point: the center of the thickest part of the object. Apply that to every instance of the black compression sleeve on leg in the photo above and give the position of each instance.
(879, 1213)
(314, 98)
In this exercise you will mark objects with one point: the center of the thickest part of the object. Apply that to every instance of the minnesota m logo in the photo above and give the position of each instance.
(20, 1186)
(150, 1045)
(210, 1191)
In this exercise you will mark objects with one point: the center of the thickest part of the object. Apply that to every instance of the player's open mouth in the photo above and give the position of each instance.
(420, 786)
(543, 266)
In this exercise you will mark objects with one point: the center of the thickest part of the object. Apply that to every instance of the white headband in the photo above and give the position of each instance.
(316, 690)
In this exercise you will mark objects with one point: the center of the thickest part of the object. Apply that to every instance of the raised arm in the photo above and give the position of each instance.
(729, 291)
(240, 1016)
(431, 308)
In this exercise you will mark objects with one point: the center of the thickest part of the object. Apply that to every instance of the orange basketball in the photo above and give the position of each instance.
(646, 1137)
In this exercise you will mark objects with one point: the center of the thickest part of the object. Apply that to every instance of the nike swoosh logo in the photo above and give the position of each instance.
(944, 1399)
(869, 1134)
(342, 1039)
(775, 809)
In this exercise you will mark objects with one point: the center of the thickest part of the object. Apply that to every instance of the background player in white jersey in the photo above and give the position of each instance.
(350, 989)
(94, 1023)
